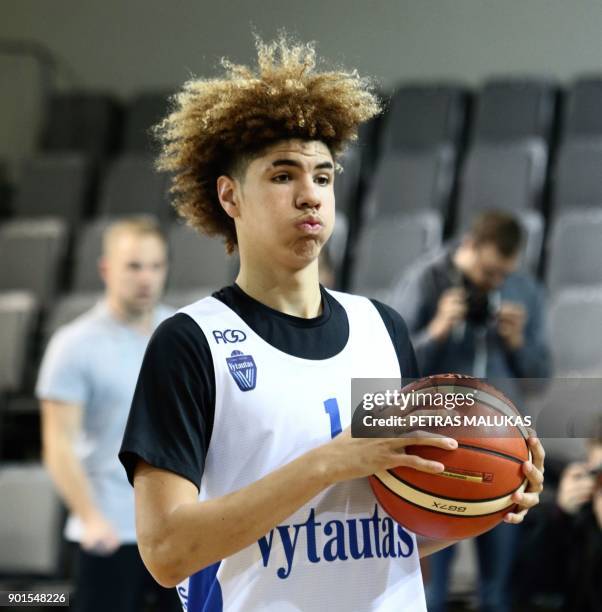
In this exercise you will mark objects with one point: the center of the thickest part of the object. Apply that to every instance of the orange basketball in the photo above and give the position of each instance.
(474, 492)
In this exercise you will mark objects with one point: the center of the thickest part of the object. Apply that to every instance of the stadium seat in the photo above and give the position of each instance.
(197, 261)
(412, 181)
(30, 522)
(389, 245)
(178, 298)
(18, 310)
(145, 110)
(347, 182)
(133, 186)
(423, 116)
(506, 177)
(53, 185)
(514, 109)
(575, 251)
(532, 223)
(32, 252)
(577, 176)
(82, 121)
(576, 330)
(582, 118)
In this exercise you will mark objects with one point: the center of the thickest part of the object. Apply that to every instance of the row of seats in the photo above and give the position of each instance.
(99, 125)
(34, 251)
(418, 115)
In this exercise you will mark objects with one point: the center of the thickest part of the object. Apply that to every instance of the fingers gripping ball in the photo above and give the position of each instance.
(474, 492)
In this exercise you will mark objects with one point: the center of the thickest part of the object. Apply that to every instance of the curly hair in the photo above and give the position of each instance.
(218, 125)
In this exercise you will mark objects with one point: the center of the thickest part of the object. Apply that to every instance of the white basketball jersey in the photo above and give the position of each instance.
(340, 551)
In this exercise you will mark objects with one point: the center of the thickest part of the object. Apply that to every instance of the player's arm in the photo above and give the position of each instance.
(178, 535)
(61, 426)
(428, 546)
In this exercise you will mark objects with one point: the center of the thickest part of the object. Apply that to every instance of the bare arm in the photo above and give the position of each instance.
(428, 546)
(61, 424)
(178, 536)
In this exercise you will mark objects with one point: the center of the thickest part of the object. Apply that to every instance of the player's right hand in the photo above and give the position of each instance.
(451, 310)
(575, 489)
(345, 457)
(99, 536)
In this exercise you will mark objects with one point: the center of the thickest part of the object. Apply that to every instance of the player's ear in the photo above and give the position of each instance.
(228, 194)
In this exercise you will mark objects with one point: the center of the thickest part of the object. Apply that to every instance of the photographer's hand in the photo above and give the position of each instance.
(575, 489)
(511, 321)
(451, 310)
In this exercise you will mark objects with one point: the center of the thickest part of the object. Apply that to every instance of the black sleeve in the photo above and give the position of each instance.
(171, 416)
(400, 337)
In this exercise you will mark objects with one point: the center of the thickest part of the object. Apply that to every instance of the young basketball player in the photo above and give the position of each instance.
(250, 491)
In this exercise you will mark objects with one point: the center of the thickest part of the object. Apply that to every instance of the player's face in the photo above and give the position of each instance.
(134, 271)
(287, 204)
(489, 267)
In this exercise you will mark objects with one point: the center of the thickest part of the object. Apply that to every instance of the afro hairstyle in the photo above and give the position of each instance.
(218, 125)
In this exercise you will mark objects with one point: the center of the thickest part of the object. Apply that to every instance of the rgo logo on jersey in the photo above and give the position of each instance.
(229, 336)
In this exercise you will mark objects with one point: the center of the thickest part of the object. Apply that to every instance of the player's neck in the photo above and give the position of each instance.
(296, 294)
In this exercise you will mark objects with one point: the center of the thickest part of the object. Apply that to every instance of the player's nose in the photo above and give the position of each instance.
(308, 195)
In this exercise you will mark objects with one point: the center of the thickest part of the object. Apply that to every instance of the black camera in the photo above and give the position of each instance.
(481, 306)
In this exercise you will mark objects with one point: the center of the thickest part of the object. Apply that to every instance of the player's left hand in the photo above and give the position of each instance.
(533, 471)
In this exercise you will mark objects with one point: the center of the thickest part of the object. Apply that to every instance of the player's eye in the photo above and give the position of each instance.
(323, 180)
(281, 178)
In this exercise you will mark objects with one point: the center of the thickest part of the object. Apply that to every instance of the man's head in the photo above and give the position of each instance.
(133, 265)
(490, 251)
(230, 129)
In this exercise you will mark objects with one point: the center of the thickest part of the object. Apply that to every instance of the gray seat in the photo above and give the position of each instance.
(133, 186)
(198, 260)
(577, 176)
(582, 116)
(412, 181)
(81, 121)
(178, 298)
(532, 224)
(30, 521)
(32, 252)
(18, 310)
(510, 109)
(389, 245)
(53, 185)
(347, 182)
(576, 329)
(507, 177)
(423, 116)
(145, 111)
(575, 251)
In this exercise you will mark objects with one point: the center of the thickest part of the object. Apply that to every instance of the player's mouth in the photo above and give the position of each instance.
(310, 225)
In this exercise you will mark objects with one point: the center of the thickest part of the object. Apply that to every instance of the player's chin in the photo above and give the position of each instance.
(307, 248)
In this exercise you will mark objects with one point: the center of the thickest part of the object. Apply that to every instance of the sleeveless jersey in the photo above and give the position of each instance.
(340, 551)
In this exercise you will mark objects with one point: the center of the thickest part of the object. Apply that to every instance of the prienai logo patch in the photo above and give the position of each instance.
(243, 370)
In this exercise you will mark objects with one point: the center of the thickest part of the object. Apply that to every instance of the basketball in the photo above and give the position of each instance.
(474, 492)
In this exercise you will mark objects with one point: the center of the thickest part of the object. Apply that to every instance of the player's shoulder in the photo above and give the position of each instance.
(385, 311)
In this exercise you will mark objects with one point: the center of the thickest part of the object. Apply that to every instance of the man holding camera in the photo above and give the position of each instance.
(469, 311)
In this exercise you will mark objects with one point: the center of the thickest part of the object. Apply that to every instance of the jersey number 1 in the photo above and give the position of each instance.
(332, 408)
